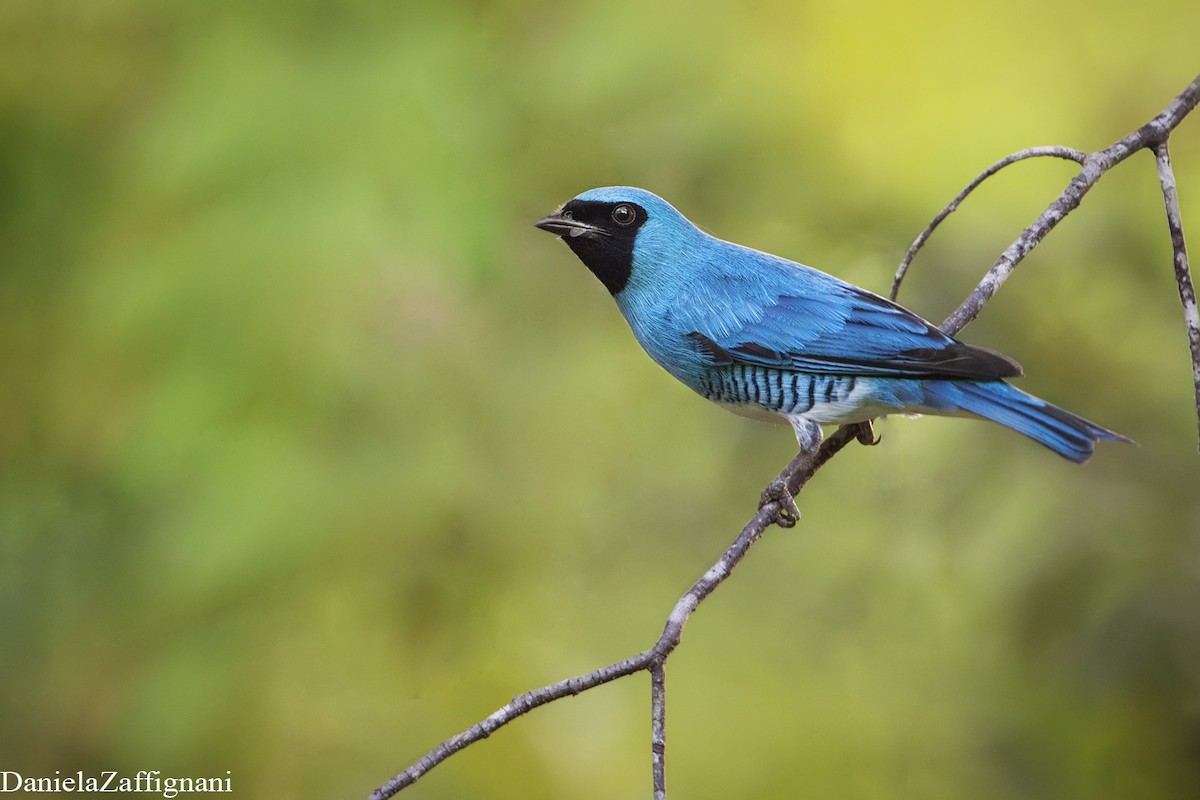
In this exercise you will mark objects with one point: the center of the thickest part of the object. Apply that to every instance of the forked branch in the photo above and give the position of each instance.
(1152, 136)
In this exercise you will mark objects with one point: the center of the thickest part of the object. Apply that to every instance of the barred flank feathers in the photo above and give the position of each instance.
(782, 391)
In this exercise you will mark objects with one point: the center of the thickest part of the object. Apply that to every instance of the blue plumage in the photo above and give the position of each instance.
(772, 339)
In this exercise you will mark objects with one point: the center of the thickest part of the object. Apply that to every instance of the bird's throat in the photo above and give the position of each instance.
(609, 259)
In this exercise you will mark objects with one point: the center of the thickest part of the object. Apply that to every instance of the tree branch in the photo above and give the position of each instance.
(1153, 135)
(1094, 166)
(1183, 274)
(1069, 153)
(797, 474)
(658, 729)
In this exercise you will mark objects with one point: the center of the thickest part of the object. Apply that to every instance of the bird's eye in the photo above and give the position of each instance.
(624, 214)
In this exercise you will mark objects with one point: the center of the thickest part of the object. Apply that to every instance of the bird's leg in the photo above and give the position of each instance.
(808, 436)
(866, 434)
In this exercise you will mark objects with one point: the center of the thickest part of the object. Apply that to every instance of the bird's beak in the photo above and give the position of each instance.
(564, 226)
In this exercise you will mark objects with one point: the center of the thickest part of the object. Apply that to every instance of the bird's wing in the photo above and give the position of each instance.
(823, 325)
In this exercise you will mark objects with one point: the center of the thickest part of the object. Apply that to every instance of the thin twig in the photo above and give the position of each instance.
(658, 729)
(1054, 151)
(519, 706)
(1183, 274)
(796, 475)
(1095, 165)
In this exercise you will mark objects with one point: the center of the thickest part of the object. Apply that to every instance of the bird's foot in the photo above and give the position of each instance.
(866, 434)
(777, 492)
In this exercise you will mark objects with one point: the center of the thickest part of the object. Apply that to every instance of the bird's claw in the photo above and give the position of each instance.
(777, 492)
(866, 434)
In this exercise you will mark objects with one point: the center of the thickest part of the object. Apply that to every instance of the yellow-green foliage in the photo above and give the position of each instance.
(313, 451)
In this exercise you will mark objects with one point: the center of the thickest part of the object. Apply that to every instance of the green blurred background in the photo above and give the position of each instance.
(313, 451)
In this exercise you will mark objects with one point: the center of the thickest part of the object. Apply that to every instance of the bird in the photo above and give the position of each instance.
(775, 340)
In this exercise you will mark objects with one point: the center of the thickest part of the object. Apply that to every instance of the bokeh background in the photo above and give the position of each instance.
(313, 451)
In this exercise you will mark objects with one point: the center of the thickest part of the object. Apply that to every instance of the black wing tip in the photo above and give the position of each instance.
(957, 361)
(985, 364)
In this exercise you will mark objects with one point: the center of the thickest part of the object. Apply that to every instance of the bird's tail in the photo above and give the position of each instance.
(1067, 434)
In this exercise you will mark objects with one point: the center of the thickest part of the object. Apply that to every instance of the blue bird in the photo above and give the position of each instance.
(771, 339)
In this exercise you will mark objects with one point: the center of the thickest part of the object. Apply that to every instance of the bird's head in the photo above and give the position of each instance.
(603, 227)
